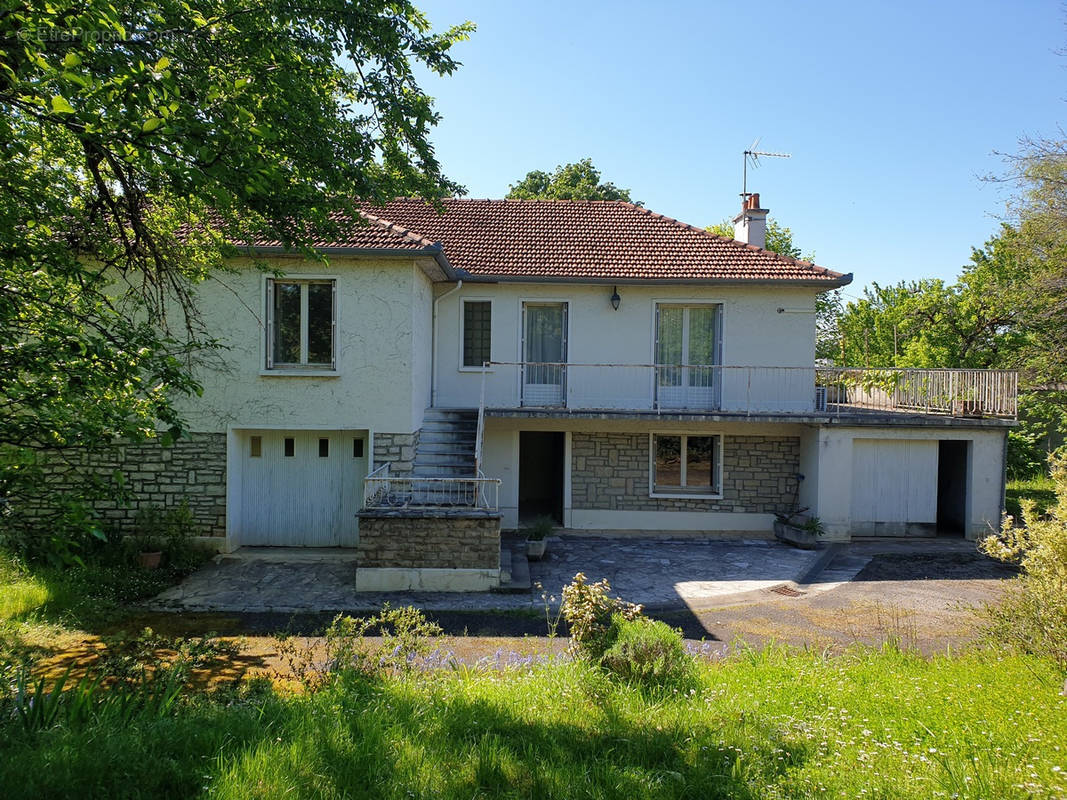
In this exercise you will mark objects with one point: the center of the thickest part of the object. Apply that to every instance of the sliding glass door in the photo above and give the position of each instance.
(544, 348)
(687, 356)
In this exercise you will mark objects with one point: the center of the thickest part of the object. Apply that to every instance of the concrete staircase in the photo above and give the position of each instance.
(446, 444)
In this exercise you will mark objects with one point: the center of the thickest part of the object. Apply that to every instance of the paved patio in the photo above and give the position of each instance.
(659, 572)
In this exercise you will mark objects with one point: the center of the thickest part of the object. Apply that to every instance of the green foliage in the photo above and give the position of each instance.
(390, 642)
(589, 609)
(1033, 615)
(778, 725)
(540, 528)
(138, 140)
(578, 181)
(647, 652)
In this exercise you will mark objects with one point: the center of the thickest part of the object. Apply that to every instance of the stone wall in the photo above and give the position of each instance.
(397, 449)
(192, 470)
(610, 471)
(443, 541)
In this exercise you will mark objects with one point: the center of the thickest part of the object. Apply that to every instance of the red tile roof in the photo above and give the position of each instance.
(571, 240)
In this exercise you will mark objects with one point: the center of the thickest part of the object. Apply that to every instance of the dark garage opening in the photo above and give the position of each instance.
(952, 487)
(541, 467)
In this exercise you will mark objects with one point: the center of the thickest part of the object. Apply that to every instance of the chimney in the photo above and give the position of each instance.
(750, 226)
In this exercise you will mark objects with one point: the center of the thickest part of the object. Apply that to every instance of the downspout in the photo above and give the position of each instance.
(434, 344)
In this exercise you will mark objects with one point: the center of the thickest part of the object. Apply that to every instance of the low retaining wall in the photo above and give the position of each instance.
(440, 551)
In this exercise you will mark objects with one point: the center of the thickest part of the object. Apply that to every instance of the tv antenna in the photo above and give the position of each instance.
(754, 155)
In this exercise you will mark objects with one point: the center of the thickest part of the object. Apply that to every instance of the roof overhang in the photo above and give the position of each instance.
(826, 285)
(431, 260)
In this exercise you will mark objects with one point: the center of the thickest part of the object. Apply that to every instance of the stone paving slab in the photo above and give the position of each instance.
(658, 572)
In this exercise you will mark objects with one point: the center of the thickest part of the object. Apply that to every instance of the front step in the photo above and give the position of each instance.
(455, 470)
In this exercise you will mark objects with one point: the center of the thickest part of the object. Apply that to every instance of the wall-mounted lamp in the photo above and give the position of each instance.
(615, 299)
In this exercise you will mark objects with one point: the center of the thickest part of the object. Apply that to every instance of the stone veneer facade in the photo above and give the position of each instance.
(396, 449)
(420, 541)
(610, 471)
(192, 470)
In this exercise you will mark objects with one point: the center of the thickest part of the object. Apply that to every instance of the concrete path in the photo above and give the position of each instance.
(660, 573)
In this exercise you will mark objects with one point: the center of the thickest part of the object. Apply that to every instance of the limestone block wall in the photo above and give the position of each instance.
(397, 449)
(192, 470)
(446, 541)
(610, 471)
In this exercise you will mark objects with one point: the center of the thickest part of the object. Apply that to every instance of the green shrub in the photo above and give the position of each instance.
(1033, 613)
(648, 652)
(588, 609)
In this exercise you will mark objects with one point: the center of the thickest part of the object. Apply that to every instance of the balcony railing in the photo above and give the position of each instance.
(383, 491)
(749, 390)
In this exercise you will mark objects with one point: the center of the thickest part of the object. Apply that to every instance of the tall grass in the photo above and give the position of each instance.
(764, 724)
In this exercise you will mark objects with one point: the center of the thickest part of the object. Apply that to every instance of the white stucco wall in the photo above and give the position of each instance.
(831, 495)
(421, 346)
(383, 345)
(754, 334)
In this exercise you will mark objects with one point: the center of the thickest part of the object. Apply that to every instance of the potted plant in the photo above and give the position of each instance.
(147, 539)
(799, 530)
(536, 537)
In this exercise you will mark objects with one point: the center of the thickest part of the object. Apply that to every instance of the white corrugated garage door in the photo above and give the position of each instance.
(299, 488)
(894, 487)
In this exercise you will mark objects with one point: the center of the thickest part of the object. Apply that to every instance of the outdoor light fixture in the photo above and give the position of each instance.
(615, 299)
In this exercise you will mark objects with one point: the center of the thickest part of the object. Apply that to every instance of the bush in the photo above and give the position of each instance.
(647, 652)
(1033, 614)
(589, 609)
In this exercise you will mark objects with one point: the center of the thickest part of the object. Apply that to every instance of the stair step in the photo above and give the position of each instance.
(444, 459)
(443, 471)
(448, 448)
(449, 414)
(446, 437)
(447, 425)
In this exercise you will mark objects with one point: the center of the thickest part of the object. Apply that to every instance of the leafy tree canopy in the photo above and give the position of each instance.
(578, 181)
(137, 139)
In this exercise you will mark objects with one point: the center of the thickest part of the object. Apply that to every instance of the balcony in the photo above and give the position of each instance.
(750, 390)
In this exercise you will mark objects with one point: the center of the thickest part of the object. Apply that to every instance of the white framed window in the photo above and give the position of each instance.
(301, 324)
(476, 334)
(685, 465)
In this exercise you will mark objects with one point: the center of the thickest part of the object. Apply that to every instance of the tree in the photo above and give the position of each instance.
(140, 139)
(975, 322)
(578, 181)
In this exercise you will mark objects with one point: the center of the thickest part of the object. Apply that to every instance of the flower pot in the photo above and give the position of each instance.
(796, 536)
(535, 549)
(150, 560)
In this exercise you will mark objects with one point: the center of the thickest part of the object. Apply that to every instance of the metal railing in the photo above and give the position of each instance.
(947, 392)
(383, 491)
(747, 389)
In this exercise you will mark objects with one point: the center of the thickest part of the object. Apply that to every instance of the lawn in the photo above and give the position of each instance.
(1038, 488)
(758, 724)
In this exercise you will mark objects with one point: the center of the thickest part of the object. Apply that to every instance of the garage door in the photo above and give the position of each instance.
(894, 487)
(300, 488)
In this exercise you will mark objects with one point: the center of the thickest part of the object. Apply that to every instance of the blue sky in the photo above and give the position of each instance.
(891, 111)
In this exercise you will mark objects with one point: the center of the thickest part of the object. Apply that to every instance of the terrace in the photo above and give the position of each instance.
(825, 393)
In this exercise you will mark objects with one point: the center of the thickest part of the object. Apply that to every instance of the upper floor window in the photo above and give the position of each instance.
(477, 337)
(301, 324)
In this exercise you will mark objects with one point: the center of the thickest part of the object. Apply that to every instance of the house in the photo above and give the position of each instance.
(450, 374)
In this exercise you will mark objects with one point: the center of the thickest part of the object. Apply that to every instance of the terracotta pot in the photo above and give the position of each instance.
(150, 560)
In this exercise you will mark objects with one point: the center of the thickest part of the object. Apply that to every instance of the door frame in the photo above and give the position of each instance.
(565, 332)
